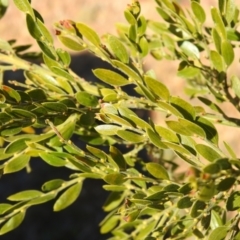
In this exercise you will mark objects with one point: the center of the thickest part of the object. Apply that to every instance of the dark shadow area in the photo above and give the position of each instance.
(81, 220)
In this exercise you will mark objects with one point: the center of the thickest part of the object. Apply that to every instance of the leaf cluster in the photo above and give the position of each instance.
(148, 199)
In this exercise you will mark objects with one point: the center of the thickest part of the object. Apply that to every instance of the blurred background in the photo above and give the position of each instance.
(80, 221)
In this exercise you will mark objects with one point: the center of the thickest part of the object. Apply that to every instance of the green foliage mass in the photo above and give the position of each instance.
(153, 199)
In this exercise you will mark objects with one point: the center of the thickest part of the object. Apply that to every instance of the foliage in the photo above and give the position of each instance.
(149, 198)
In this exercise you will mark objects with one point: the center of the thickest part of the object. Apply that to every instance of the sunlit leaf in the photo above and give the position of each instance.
(68, 197)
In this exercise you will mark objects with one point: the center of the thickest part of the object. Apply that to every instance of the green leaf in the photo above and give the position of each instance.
(114, 200)
(207, 192)
(71, 43)
(110, 77)
(114, 188)
(53, 160)
(230, 150)
(184, 202)
(55, 106)
(230, 11)
(64, 56)
(216, 16)
(47, 49)
(169, 108)
(88, 33)
(219, 233)
(4, 207)
(11, 92)
(157, 170)
(118, 158)
(129, 17)
(20, 113)
(110, 224)
(5, 46)
(188, 72)
(16, 164)
(142, 25)
(62, 73)
(86, 99)
(107, 129)
(16, 146)
(235, 82)
(118, 120)
(130, 136)
(207, 152)
(12, 223)
(144, 46)
(197, 208)
(217, 40)
(212, 168)
(177, 127)
(24, 6)
(131, 73)
(25, 195)
(142, 90)
(209, 128)
(155, 139)
(139, 122)
(42, 199)
(114, 178)
(233, 202)
(190, 50)
(118, 48)
(217, 61)
(97, 152)
(52, 185)
(185, 108)
(227, 52)
(216, 219)
(68, 197)
(198, 11)
(226, 184)
(33, 27)
(157, 88)
(3, 7)
(167, 134)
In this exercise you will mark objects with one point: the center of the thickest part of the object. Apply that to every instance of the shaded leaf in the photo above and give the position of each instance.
(118, 158)
(197, 208)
